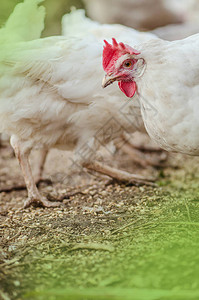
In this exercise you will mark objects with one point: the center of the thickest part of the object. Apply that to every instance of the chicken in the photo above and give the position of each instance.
(139, 14)
(51, 96)
(76, 24)
(166, 78)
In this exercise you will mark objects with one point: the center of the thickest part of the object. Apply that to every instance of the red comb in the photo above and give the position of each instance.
(112, 52)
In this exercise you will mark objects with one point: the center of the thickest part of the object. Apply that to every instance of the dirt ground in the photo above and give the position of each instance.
(106, 240)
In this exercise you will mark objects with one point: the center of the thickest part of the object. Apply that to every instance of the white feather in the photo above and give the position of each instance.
(171, 85)
(51, 94)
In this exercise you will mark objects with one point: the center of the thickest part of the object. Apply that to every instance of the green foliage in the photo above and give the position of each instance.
(54, 12)
(6, 7)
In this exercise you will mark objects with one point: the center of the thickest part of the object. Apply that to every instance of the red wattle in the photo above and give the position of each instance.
(128, 88)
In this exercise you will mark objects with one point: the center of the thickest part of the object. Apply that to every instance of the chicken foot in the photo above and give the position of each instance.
(119, 175)
(34, 197)
(37, 174)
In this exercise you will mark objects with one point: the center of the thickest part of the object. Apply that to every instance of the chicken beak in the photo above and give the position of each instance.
(108, 79)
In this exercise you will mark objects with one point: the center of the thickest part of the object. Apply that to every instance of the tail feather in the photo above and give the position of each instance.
(77, 24)
(25, 23)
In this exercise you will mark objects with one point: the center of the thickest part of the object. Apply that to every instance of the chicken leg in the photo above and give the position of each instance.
(34, 197)
(40, 165)
(119, 175)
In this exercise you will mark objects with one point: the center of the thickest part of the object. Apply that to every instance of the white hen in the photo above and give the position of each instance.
(166, 75)
(51, 96)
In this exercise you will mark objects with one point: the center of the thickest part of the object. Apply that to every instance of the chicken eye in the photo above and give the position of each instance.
(128, 64)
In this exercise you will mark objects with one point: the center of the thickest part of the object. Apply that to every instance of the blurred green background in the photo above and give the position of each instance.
(54, 11)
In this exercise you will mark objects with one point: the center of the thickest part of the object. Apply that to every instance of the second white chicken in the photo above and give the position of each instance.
(51, 96)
